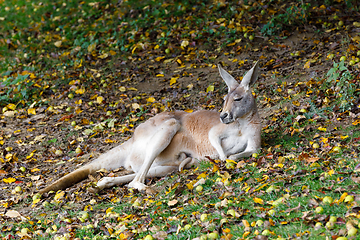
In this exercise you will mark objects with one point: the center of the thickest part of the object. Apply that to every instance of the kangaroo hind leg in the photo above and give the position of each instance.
(156, 144)
(158, 171)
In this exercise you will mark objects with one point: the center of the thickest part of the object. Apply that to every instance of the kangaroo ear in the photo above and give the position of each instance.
(229, 80)
(251, 77)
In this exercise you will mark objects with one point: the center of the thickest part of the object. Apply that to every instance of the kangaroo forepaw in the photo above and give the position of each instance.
(183, 164)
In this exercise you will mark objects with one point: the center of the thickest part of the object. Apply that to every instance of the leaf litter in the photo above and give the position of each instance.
(80, 92)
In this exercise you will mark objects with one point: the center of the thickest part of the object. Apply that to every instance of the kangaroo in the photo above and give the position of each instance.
(172, 141)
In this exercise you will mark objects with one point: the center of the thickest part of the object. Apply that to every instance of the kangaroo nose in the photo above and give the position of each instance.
(223, 116)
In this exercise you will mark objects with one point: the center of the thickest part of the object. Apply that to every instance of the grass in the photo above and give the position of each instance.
(293, 190)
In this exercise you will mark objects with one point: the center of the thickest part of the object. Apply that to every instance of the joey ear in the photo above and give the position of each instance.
(228, 79)
(250, 77)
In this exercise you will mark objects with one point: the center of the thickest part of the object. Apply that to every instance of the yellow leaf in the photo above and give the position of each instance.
(226, 175)
(72, 82)
(215, 168)
(158, 59)
(172, 81)
(150, 99)
(122, 89)
(156, 47)
(307, 64)
(58, 43)
(258, 200)
(210, 88)
(109, 210)
(160, 75)
(32, 76)
(356, 122)
(65, 54)
(30, 155)
(80, 91)
(184, 43)
(231, 161)
(36, 200)
(99, 100)
(246, 234)
(343, 137)
(132, 89)
(11, 106)
(78, 65)
(343, 196)
(246, 223)
(190, 185)
(31, 111)
(189, 110)
(112, 52)
(356, 38)
(261, 187)
(133, 50)
(135, 106)
(296, 103)
(322, 129)
(326, 100)
(59, 195)
(103, 56)
(109, 141)
(9, 180)
(91, 47)
(202, 175)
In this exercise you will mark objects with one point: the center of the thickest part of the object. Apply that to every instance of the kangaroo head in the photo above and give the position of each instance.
(239, 101)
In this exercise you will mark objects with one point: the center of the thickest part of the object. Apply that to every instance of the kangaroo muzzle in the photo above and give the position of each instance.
(226, 117)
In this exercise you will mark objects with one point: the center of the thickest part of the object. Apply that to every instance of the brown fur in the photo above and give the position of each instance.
(173, 140)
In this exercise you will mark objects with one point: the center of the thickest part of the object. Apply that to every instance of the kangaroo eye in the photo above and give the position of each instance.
(238, 99)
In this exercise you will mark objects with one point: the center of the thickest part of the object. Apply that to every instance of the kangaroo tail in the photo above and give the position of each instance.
(70, 179)
(110, 160)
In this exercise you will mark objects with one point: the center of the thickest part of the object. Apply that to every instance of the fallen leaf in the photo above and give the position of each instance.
(172, 81)
(258, 200)
(355, 179)
(160, 235)
(12, 214)
(9, 180)
(91, 47)
(172, 202)
(99, 100)
(59, 195)
(9, 113)
(58, 44)
(11, 106)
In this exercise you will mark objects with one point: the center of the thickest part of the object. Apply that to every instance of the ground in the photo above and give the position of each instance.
(310, 131)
